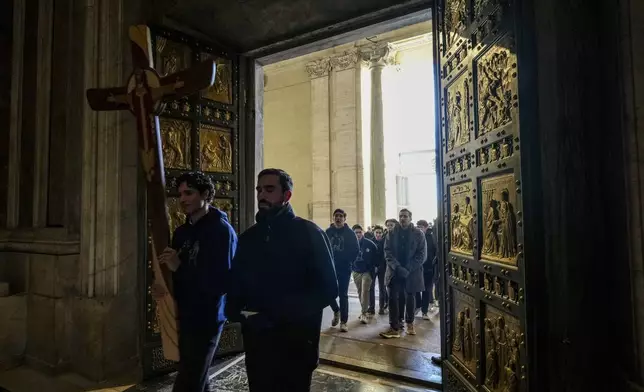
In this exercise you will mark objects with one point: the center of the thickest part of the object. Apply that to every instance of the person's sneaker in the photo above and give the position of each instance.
(425, 316)
(344, 328)
(438, 361)
(390, 334)
(381, 312)
(410, 329)
(364, 318)
(371, 312)
(336, 319)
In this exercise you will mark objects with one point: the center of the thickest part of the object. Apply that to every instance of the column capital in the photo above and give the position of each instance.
(344, 61)
(318, 68)
(379, 54)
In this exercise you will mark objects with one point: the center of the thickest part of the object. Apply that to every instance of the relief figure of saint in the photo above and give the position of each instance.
(508, 234)
(492, 222)
(458, 333)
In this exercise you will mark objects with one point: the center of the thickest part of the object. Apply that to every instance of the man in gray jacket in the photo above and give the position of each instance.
(405, 253)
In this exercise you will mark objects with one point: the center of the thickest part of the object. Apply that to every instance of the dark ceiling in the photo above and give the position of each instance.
(248, 25)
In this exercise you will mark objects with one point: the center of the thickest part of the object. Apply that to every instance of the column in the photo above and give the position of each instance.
(320, 138)
(346, 151)
(377, 57)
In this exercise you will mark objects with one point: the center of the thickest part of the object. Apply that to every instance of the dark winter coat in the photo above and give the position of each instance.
(410, 267)
(205, 249)
(431, 253)
(344, 244)
(365, 262)
(283, 270)
(380, 257)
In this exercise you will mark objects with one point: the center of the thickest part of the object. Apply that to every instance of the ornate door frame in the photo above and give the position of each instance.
(200, 132)
(483, 264)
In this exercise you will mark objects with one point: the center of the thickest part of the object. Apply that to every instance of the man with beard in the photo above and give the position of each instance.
(344, 244)
(381, 267)
(200, 258)
(405, 252)
(282, 279)
(425, 299)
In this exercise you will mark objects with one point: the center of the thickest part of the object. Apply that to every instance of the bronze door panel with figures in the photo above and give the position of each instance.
(197, 133)
(483, 260)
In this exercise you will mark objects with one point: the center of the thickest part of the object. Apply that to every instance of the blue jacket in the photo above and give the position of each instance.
(367, 257)
(344, 244)
(206, 250)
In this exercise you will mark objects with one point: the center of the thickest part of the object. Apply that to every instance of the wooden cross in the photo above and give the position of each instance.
(145, 96)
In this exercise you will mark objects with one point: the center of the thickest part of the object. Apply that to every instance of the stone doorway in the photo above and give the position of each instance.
(332, 118)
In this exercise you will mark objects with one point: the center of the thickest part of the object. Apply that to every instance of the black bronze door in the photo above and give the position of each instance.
(483, 260)
(198, 133)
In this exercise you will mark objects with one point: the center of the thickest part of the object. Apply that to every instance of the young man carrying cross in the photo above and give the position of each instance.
(200, 258)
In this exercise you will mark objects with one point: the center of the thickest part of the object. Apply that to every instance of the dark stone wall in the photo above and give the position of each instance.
(6, 27)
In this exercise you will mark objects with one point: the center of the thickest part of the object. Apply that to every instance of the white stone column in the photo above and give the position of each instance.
(377, 57)
(346, 139)
(320, 138)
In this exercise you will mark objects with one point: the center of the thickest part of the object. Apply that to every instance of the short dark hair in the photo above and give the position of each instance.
(378, 227)
(199, 181)
(391, 220)
(286, 181)
(422, 223)
(339, 211)
(407, 211)
(357, 227)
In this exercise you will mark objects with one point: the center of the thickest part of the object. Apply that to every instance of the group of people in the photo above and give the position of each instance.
(277, 278)
(401, 259)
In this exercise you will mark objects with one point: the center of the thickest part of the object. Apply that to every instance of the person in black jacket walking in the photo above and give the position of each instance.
(381, 267)
(425, 298)
(345, 250)
(364, 270)
(200, 258)
(282, 279)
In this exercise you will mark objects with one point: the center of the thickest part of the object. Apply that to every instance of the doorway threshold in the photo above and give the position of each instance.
(381, 360)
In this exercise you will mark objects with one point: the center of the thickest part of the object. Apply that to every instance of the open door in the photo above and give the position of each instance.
(198, 133)
(482, 261)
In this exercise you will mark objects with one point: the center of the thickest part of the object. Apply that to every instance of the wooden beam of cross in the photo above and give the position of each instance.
(145, 96)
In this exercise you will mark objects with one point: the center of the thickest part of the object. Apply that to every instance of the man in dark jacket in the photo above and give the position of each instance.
(425, 299)
(381, 267)
(201, 253)
(345, 250)
(282, 279)
(364, 270)
(405, 253)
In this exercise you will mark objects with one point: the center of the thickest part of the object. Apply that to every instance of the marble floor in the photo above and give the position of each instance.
(362, 348)
(232, 378)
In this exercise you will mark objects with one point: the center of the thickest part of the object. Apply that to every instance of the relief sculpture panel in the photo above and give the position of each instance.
(222, 90)
(176, 138)
(458, 112)
(225, 205)
(496, 71)
(216, 149)
(502, 338)
(176, 217)
(455, 20)
(171, 56)
(461, 223)
(498, 199)
(464, 343)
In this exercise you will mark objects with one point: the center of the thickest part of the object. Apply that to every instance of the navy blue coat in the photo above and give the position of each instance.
(206, 250)
(344, 244)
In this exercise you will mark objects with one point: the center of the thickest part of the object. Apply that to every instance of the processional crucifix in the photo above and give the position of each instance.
(145, 96)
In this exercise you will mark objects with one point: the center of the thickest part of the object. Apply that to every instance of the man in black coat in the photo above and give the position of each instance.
(344, 244)
(200, 258)
(282, 279)
(425, 299)
(381, 267)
